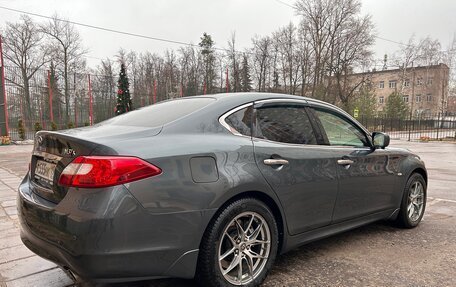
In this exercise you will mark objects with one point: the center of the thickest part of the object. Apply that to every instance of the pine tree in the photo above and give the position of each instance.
(123, 93)
(246, 81)
(395, 107)
(208, 53)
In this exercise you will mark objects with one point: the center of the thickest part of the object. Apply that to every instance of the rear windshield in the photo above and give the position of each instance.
(161, 113)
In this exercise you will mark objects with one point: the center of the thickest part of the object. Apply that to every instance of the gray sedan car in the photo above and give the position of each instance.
(212, 187)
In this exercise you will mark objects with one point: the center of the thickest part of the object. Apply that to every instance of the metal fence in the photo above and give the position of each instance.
(41, 102)
(423, 127)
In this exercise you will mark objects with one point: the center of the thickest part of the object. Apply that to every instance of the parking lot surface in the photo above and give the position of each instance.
(375, 255)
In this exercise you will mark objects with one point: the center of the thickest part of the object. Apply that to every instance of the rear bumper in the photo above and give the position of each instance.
(106, 235)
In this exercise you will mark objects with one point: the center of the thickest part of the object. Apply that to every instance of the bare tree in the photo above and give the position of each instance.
(351, 48)
(287, 44)
(234, 64)
(104, 90)
(316, 21)
(340, 39)
(305, 59)
(24, 49)
(66, 45)
(261, 59)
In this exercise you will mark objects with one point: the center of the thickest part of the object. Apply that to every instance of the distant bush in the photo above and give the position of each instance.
(53, 126)
(37, 127)
(70, 125)
(21, 129)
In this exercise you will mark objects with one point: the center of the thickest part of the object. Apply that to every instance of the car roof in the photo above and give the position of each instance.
(235, 99)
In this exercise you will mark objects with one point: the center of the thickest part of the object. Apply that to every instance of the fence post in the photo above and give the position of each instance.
(409, 126)
(438, 126)
(3, 100)
(90, 102)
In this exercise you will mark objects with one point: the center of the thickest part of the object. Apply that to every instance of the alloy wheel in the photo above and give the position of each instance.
(415, 201)
(244, 248)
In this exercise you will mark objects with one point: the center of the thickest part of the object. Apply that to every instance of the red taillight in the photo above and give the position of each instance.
(103, 171)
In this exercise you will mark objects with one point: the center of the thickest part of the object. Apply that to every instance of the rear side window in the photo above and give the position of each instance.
(161, 113)
(240, 122)
(286, 124)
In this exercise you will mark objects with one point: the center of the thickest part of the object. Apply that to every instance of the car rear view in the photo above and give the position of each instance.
(76, 208)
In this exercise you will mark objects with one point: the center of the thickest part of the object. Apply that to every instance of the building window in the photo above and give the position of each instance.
(429, 81)
(381, 100)
(418, 98)
(405, 98)
(392, 84)
(429, 98)
(381, 85)
(406, 83)
(419, 81)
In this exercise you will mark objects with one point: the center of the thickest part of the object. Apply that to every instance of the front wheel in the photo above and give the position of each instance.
(239, 246)
(413, 202)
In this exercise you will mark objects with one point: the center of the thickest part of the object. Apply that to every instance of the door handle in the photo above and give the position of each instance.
(344, 162)
(272, 161)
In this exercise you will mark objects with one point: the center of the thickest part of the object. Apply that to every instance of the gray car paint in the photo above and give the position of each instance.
(153, 227)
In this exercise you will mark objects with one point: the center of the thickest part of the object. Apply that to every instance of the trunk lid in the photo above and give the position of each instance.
(53, 151)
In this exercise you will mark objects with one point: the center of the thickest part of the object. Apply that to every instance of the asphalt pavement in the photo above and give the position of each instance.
(375, 255)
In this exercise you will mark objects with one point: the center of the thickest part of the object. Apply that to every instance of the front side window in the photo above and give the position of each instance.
(405, 98)
(418, 98)
(392, 84)
(286, 124)
(381, 84)
(381, 99)
(240, 122)
(340, 131)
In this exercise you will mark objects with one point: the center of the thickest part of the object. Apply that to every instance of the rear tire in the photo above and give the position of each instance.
(239, 246)
(413, 202)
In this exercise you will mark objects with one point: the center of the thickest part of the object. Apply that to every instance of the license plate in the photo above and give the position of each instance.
(45, 170)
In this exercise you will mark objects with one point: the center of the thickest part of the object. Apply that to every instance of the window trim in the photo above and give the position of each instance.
(222, 120)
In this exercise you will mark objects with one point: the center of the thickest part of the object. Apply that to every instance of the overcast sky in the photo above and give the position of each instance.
(186, 20)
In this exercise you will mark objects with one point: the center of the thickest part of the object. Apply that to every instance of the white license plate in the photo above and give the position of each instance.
(45, 170)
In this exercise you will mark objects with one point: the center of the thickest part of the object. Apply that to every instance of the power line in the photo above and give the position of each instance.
(112, 30)
(378, 37)
(285, 3)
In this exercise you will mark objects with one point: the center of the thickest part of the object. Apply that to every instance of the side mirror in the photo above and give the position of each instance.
(380, 140)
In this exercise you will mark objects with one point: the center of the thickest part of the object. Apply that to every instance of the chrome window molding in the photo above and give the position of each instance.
(284, 100)
(223, 117)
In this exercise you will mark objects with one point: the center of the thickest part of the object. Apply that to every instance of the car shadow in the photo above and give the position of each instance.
(284, 263)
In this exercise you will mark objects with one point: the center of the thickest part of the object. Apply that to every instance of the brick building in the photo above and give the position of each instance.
(424, 89)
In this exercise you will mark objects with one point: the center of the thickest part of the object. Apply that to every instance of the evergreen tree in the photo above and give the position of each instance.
(208, 53)
(395, 107)
(246, 80)
(123, 93)
(365, 101)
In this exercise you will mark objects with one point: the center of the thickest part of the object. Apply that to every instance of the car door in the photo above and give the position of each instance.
(366, 181)
(301, 172)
